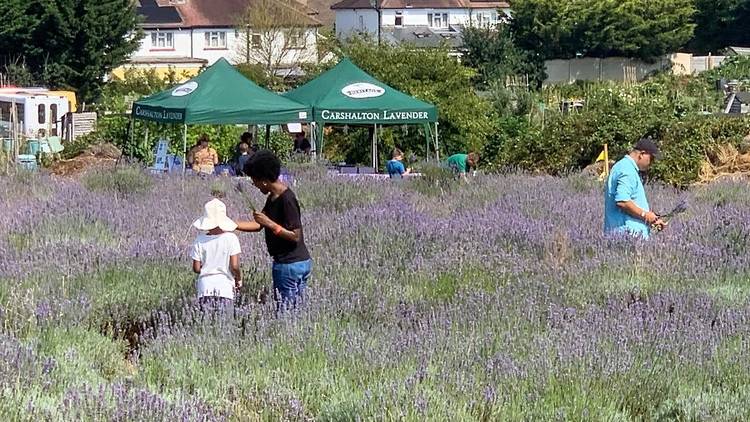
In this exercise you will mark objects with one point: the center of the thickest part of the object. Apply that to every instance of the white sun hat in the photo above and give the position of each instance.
(215, 215)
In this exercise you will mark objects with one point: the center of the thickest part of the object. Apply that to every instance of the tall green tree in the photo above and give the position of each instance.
(15, 28)
(719, 24)
(602, 28)
(466, 120)
(69, 43)
(492, 51)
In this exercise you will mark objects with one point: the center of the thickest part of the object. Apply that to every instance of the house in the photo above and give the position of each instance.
(737, 103)
(186, 35)
(736, 51)
(420, 22)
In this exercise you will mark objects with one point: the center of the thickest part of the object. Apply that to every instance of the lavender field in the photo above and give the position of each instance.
(500, 300)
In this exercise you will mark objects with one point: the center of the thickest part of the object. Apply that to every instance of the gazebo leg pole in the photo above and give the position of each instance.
(268, 136)
(132, 129)
(184, 147)
(427, 136)
(314, 140)
(375, 147)
(437, 145)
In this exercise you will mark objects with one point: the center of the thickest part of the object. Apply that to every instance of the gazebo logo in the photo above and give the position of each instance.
(362, 90)
(185, 89)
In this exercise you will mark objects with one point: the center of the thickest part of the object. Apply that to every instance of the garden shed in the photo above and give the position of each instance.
(737, 103)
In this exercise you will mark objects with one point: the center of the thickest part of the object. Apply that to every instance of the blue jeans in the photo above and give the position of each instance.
(289, 283)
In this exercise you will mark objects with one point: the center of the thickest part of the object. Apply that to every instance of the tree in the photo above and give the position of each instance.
(719, 24)
(602, 28)
(492, 51)
(466, 121)
(274, 33)
(70, 43)
(15, 28)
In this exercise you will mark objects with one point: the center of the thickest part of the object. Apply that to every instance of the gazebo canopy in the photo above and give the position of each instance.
(220, 95)
(347, 94)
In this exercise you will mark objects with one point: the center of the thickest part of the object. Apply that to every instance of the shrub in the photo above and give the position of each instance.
(686, 143)
(436, 180)
(122, 180)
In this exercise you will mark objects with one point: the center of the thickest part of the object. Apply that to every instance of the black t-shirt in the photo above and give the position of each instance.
(300, 145)
(285, 211)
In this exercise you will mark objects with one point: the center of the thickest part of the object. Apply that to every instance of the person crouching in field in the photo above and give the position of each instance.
(463, 164)
(281, 221)
(216, 257)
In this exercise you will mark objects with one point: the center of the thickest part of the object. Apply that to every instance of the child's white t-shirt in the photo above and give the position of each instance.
(213, 251)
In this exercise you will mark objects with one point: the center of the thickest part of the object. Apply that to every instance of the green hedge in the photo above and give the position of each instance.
(572, 142)
(686, 143)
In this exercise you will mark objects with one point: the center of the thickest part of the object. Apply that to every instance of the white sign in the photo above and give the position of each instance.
(361, 90)
(303, 115)
(185, 89)
(160, 161)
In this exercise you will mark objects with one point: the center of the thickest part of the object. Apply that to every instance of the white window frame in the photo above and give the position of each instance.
(164, 38)
(216, 40)
(361, 22)
(297, 38)
(485, 18)
(41, 114)
(256, 40)
(441, 18)
(399, 15)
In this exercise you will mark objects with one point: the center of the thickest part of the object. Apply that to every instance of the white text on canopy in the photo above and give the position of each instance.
(361, 90)
(368, 116)
(185, 89)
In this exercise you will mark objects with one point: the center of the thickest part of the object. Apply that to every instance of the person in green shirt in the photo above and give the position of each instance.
(462, 164)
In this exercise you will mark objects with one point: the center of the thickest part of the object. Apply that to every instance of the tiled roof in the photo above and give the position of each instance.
(424, 36)
(208, 13)
(421, 4)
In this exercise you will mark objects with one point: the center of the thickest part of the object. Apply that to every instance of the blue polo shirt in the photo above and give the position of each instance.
(624, 184)
(395, 168)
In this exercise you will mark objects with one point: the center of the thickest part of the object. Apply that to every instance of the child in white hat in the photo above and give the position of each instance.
(216, 255)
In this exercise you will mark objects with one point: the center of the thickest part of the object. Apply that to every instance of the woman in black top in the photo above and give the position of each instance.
(281, 221)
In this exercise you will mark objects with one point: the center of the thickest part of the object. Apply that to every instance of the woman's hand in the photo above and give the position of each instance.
(263, 220)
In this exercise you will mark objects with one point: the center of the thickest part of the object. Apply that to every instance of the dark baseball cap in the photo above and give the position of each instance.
(648, 145)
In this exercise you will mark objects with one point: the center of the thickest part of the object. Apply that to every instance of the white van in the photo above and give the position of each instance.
(39, 114)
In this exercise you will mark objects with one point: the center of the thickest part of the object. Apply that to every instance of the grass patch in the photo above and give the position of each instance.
(131, 293)
(435, 180)
(446, 285)
(122, 181)
(724, 193)
(82, 357)
(61, 231)
(25, 184)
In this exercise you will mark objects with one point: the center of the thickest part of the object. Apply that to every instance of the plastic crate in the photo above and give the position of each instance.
(27, 161)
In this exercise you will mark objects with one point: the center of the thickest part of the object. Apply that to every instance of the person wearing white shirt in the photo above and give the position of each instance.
(216, 256)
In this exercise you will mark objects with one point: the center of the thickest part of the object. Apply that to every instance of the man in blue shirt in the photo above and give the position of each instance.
(626, 208)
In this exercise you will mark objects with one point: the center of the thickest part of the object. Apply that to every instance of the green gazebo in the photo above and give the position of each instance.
(347, 94)
(219, 95)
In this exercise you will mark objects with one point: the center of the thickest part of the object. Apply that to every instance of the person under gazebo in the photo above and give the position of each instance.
(204, 157)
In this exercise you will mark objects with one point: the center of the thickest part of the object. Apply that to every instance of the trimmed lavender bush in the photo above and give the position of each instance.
(497, 300)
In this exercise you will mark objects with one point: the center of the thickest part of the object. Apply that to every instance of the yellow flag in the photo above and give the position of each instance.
(601, 157)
